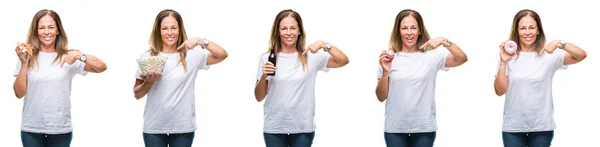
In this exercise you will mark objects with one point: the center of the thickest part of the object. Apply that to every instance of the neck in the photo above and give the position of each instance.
(409, 49)
(47, 48)
(169, 49)
(527, 48)
(288, 49)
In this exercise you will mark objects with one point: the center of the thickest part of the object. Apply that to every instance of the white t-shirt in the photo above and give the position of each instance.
(410, 105)
(170, 103)
(528, 106)
(47, 104)
(290, 103)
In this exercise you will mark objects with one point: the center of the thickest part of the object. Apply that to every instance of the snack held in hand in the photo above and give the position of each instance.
(27, 49)
(510, 47)
(389, 55)
(154, 64)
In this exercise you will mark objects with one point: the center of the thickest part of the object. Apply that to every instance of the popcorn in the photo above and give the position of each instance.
(154, 64)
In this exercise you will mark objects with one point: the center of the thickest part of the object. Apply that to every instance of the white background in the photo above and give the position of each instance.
(469, 114)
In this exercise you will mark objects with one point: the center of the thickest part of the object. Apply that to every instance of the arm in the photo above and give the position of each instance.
(20, 85)
(574, 54)
(382, 87)
(456, 57)
(260, 90)
(501, 82)
(92, 63)
(217, 53)
(338, 58)
(142, 86)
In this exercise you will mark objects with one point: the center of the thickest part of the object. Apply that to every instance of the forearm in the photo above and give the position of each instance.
(458, 54)
(338, 56)
(577, 53)
(382, 88)
(260, 90)
(142, 89)
(501, 82)
(95, 64)
(216, 50)
(20, 85)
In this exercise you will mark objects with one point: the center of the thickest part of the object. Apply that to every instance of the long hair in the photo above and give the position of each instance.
(275, 41)
(396, 38)
(156, 43)
(540, 40)
(60, 41)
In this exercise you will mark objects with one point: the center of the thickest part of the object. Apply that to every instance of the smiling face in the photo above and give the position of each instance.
(288, 31)
(47, 30)
(528, 31)
(169, 31)
(409, 31)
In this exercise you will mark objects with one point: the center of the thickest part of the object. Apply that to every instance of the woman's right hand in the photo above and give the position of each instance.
(23, 56)
(150, 76)
(385, 63)
(504, 56)
(268, 68)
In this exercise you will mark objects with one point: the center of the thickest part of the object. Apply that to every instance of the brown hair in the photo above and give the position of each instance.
(514, 33)
(156, 43)
(396, 37)
(275, 41)
(60, 42)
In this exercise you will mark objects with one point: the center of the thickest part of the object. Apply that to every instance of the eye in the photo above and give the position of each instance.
(404, 28)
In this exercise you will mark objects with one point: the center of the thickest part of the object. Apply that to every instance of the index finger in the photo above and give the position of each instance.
(181, 46)
(305, 50)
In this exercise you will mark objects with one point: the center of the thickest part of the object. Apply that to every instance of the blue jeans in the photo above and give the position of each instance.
(527, 139)
(289, 140)
(409, 139)
(171, 140)
(46, 140)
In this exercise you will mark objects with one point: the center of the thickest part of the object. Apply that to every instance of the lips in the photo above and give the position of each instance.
(528, 38)
(170, 39)
(409, 39)
(289, 39)
(48, 38)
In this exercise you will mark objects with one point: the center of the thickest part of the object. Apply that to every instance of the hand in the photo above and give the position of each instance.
(550, 47)
(150, 76)
(23, 56)
(385, 63)
(432, 44)
(190, 43)
(70, 58)
(314, 47)
(268, 68)
(504, 56)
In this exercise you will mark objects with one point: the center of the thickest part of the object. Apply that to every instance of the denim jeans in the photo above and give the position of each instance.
(527, 139)
(289, 140)
(409, 139)
(171, 140)
(46, 140)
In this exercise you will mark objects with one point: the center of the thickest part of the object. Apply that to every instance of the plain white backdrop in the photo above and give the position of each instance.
(105, 112)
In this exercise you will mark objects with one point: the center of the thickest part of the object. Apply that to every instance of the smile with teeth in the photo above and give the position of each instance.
(47, 38)
(409, 39)
(171, 38)
(289, 39)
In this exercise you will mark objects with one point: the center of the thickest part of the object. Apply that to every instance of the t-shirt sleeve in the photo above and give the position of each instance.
(559, 57)
(380, 71)
(18, 68)
(323, 60)
(441, 57)
(261, 61)
(202, 58)
(498, 67)
(79, 68)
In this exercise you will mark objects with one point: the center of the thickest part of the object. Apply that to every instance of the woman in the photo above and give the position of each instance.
(169, 116)
(45, 80)
(527, 81)
(407, 81)
(290, 94)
